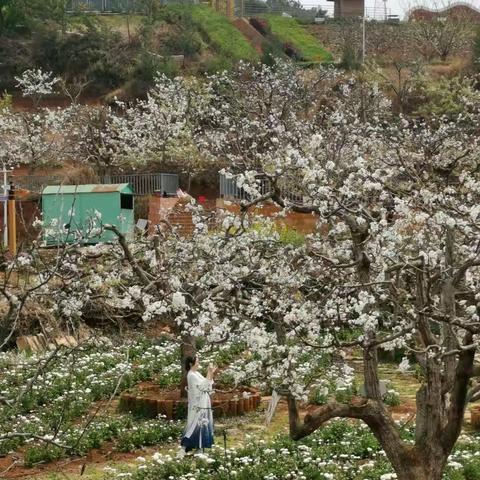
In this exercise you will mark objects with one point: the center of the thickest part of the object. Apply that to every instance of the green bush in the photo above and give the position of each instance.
(216, 64)
(476, 51)
(12, 16)
(150, 433)
(447, 96)
(186, 42)
(95, 55)
(318, 397)
(42, 454)
(291, 236)
(350, 58)
(271, 52)
(471, 470)
(146, 68)
(391, 398)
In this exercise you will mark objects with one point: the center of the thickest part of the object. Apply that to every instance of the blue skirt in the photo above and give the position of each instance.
(202, 437)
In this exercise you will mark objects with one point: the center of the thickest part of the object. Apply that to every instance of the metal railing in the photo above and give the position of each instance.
(142, 183)
(229, 190)
(35, 183)
(307, 11)
(146, 183)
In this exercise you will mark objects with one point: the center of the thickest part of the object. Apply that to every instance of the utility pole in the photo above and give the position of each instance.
(5, 198)
(363, 38)
(12, 221)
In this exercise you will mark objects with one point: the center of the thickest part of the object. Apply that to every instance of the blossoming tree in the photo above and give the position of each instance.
(398, 262)
(394, 263)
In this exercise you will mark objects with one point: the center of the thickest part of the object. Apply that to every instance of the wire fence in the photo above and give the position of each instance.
(308, 12)
(117, 6)
(142, 183)
(242, 8)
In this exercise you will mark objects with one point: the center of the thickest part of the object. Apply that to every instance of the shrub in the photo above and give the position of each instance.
(449, 97)
(149, 433)
(350, 58)
(96, 55)
(41, 453)
(391, 398)
(476, 51)
(290, 236)
(271, 51)
(186, 42)
(471, 470)
(292, 52)
(216, 64)
(261, 25)
(319, 396)
(146, 68)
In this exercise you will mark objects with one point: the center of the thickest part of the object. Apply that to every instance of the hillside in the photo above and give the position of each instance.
(290, 31)
(121, 54)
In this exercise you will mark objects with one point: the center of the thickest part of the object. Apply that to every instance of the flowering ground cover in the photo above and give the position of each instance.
(63, 403)
(63, 399)
(342, 450)
(58, 402)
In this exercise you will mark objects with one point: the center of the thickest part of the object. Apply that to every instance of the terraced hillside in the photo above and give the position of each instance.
(290, 31)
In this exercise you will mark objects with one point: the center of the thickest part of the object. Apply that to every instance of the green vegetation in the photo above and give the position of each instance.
(341, 450)
(446, 96)
(222, 35)
(288, 30)
(116, 55)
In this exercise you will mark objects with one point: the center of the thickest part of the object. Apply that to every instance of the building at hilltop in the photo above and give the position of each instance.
(348, 8)
(454, 11)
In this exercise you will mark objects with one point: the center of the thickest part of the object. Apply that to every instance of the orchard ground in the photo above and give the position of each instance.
(340, 450)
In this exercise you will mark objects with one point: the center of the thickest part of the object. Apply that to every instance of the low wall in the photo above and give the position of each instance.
(173, 211)
(302, 222)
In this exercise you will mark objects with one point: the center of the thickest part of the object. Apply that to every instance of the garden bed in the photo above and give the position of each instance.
(149, 400)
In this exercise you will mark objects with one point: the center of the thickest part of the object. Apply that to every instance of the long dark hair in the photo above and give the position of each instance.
(189, 362)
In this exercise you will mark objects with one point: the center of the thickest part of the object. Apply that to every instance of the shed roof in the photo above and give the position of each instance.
(90, 188)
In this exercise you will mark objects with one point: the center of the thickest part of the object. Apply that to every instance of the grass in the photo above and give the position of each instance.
(290, 31)
(118, 22)
(222, 35)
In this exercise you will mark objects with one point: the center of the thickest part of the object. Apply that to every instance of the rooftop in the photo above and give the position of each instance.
(90, 188)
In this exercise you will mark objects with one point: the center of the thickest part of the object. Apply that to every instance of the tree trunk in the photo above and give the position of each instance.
(423, 465)
(187, 349)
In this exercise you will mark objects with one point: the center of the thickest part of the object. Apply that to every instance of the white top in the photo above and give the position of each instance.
(199, 404)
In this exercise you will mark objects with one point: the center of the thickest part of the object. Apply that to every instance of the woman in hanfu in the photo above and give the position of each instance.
(199, 430)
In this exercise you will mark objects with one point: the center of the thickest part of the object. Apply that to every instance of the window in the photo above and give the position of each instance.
(126, 201)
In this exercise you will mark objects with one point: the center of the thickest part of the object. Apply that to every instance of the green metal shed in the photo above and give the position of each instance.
(71, 212)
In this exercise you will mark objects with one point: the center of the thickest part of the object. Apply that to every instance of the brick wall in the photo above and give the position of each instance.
(173, 210)
(302, 222)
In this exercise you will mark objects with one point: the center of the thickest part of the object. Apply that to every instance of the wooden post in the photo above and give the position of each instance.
(12, 221)
(230, 8)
